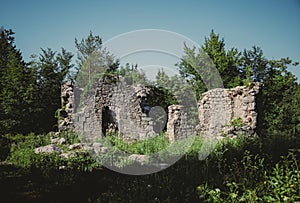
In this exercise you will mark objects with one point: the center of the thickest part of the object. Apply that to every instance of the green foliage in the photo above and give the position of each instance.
(244, 169)
(94, 62)
(195, 148)
(167, 91)
(239, 170)
(283, 183)
(233, 172)
(196, 72)
(175, 90)
(227, 63)
(4, 147)
(30, 92)
(199, 68)
(161, 96)
(87, 46)
(70, 136)
(22, 148)
(254, 65)
(52, 70)
(277, 102)
(22, 153)
(132, 75)
(245, 178)
(151, 145)
(247, 79)
(16, 87)
(65, 70)
(237, 122)
(280, 185)
(82, 161)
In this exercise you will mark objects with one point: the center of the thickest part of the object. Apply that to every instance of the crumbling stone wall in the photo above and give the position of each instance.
(125, 109)
(177, 125)
(228, 111)
(112, 105)
(67, 100)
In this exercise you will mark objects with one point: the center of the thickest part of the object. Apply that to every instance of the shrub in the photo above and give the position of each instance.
(22, 148)
(22, 154)
(282, 184)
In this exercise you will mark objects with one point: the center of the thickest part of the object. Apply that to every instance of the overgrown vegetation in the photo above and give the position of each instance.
(253, 183)
(22, 152)
(151, 145)
(245, 169)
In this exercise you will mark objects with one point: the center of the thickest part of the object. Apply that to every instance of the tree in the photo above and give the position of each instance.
(64, 59)
(132, 75)
(279, 107)
(87, 46)
(193, 68)
(277, 101)
(93, 61)
(161, 92)
(254, 65)
(212, 66)
(227, 63)
(175, 88)
(16, 87)
(52, 70)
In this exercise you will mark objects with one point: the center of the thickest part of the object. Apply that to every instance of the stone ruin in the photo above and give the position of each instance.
(177, 125)
(228, 111)
(119, 107)
(114, 107)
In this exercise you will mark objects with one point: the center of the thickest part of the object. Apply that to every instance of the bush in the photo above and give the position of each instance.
(250, 183)
(22, 148)
(22, 154)
(283, 183)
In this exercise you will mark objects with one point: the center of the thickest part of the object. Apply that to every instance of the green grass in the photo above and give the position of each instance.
(245, 169)
(148, 146)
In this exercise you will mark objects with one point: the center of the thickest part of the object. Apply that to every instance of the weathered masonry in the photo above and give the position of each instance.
(111, 107)
(228, 111)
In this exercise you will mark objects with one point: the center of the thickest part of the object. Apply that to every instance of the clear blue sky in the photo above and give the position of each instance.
(274, 25)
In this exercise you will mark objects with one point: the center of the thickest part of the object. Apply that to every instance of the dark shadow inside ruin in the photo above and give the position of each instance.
(144, 105)
(108, 121)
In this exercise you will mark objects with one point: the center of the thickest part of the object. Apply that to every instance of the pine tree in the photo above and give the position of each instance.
(16, 87)
(278, 101)
(94, 62)
(52, 71)
(227, 63)
(254, 65)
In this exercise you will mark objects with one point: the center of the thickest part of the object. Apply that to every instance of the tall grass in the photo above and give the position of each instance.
(244, 169)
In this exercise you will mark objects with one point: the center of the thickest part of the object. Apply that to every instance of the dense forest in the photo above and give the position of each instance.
(262, 168)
